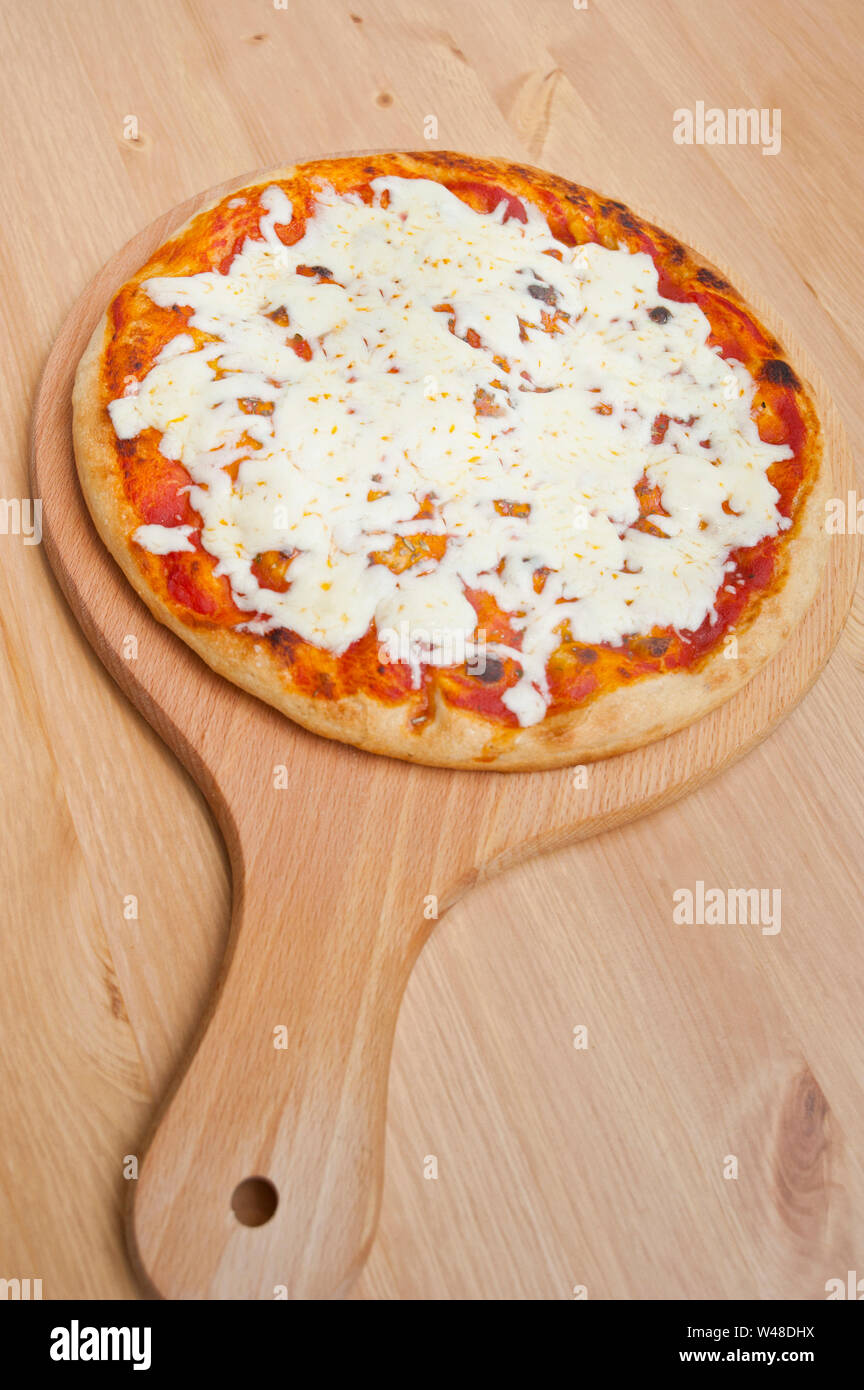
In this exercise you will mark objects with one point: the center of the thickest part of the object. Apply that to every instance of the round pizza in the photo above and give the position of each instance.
(453, 460)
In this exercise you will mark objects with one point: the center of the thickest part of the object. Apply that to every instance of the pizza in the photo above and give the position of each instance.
(454, 460)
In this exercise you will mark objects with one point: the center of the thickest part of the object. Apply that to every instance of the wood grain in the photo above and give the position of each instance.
(556, 1166)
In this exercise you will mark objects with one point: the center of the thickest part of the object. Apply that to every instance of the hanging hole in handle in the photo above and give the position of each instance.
(254, 1201)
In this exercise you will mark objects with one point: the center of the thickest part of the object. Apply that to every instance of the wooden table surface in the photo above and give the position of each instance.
(562, 1171)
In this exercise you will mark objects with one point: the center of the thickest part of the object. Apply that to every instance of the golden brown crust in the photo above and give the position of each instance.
(614, 721)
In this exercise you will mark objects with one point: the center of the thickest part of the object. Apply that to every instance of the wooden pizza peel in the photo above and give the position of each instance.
(263, 1173)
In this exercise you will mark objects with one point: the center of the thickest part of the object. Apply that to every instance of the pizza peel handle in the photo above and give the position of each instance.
(340, 863)
(284, 1101)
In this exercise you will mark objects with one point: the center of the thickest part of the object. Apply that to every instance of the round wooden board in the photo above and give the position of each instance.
(342, 862)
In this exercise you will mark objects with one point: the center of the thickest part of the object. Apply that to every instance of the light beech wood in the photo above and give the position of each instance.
(556, 1167)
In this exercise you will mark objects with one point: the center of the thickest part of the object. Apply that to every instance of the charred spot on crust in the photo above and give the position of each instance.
(779, 373)
(492, 671)
(659, 314)
(450, 159)
(657, 646)
(675, 252)
(283, 641)
(587, 654)
(628, 222)
(711, 279)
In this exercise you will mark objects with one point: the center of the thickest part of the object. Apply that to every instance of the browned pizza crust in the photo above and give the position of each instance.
(613, 721)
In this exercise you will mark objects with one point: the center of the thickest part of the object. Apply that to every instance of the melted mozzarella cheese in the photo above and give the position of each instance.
(383, 416)
(164, 540)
